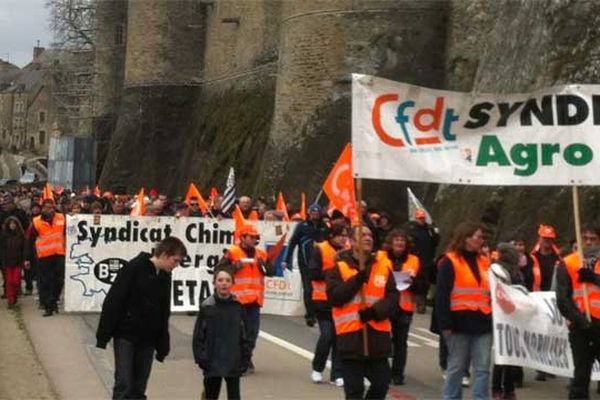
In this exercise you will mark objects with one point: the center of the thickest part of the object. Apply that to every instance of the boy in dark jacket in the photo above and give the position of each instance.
(221, 347)
(135, 314)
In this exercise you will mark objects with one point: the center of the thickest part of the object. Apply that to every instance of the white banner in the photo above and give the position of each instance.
(530, 331)
(411, 133)
(97, 247)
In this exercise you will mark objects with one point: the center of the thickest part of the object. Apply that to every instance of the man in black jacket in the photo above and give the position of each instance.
(135, 314)
(356, 315)
(305, 235)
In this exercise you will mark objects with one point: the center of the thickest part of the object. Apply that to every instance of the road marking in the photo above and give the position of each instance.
(392, 392)
(428, 333)
(427, 341)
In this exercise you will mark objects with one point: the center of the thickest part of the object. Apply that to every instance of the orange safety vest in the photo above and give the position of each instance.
(346, 317)
(51, 237)
(249, 285)
(573, 264)
(412, 265)
(468, 294)
(328, 253)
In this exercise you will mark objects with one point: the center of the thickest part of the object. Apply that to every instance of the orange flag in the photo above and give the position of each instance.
(240, 221)
(139, 208)
(97, 192)
(339, 185)
(253, 216)
(275, 251)
(194, 192)
(303, 205)
(214, 193)
(282, 207)
(47, 192)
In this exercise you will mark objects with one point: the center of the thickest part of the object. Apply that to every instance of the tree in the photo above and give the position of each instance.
(72, 22)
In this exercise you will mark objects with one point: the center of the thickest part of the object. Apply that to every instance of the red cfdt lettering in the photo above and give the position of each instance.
(423, 120)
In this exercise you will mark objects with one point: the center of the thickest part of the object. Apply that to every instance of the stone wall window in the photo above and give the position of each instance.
(42, 117)
(42, 137)
(31, 142)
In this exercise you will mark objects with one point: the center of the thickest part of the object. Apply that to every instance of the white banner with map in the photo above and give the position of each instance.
(98, 246)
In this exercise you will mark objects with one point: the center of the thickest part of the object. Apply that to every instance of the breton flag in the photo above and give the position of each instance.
(229, 195)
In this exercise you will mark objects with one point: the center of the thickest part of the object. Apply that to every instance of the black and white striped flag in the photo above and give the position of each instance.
(229, 195)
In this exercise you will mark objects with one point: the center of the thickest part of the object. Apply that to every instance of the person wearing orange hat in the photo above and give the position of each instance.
(250, 265)
(545, 255)
(425, 238)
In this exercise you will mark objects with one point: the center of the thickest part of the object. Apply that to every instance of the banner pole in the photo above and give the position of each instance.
(361, 260)
(318, 197)
(586, 300)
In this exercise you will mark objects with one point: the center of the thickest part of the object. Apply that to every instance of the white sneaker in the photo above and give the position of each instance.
(339, 382)
(466, 381)
(316, 377)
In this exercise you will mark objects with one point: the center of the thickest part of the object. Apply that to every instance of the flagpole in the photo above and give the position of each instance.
(586, 300)
(361, 260)
(318, 197)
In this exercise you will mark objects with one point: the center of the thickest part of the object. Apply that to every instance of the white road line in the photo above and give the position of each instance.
(427, 341)
(427, 332)
(289, 346)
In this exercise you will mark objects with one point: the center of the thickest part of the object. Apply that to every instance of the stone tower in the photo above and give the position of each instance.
(321, 44)
(165, 42)
(165, 48)
(109, 69)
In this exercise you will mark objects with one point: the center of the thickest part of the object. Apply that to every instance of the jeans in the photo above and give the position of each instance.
(251, 317)
(212, 387)
(400, 329)
(462, 350)
(376, 370)
(325, 344)
(133, 363)
(585, 346)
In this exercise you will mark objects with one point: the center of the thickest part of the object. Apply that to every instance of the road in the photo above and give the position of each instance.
(65, 346)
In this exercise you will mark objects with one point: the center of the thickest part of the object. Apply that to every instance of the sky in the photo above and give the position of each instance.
(22, 24)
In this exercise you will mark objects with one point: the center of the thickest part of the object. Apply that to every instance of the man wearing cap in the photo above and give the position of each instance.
(425, 239)
(250, 266)
(545, 255)
(48, 237)
(305, 235)
(572, 276)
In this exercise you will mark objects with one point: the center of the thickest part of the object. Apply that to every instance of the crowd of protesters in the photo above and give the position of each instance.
(330, 254)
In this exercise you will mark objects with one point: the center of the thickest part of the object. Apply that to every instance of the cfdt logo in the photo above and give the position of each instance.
(416, 126)
(106, 270)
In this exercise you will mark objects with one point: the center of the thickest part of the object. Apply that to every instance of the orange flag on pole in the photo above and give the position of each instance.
(339, 185)
(214, 193)
(139, 207)
(282, 207)
(275, 251)
(303, 205)
(240, 221)
(47, 192)
(194, 192)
